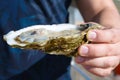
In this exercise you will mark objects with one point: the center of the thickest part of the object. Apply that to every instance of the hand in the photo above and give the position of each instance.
(103, 54)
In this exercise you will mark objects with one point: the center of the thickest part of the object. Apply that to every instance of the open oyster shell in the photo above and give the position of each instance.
(61, 39)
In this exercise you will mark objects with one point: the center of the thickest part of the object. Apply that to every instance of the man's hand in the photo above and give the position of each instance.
(103, 55)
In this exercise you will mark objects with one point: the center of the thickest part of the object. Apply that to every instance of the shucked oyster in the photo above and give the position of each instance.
(61, 39)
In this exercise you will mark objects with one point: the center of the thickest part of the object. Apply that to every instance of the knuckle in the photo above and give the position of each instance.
(107, 64)
(105, 73)
(109, 50)
(110, 62)
(116, 60)
(112, 36)
(92, 51)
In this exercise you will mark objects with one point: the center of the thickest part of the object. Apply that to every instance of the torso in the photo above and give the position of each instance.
(18, 14)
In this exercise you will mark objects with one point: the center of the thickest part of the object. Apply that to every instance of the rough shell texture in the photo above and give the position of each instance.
(61, 39)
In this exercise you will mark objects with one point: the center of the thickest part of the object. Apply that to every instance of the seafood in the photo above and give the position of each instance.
(59, 39)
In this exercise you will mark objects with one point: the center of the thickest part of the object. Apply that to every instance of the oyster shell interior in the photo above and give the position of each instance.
(61, 39)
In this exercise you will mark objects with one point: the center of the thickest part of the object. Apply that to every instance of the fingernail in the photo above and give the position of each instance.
(80, 59)
(92, 35)
(83, 50)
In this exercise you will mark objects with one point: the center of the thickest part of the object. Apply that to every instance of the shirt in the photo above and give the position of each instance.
(18, 64)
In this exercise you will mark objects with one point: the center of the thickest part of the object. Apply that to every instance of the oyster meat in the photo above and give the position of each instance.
(60, 39)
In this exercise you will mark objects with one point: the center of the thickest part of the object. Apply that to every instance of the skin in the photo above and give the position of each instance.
(102, 56)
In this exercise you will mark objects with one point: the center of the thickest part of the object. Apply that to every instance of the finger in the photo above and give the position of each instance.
(108, 35)
(102, 72)
(79, 59)
(99, 50)
(102, 62)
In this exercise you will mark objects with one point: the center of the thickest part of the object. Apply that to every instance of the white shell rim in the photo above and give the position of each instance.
(10, 37)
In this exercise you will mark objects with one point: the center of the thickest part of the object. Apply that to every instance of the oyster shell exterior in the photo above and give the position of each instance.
(61, 39)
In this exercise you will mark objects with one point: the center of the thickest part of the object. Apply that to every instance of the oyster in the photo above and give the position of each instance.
(61, 39)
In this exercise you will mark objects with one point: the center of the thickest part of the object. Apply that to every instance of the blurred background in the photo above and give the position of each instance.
(77, 71)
